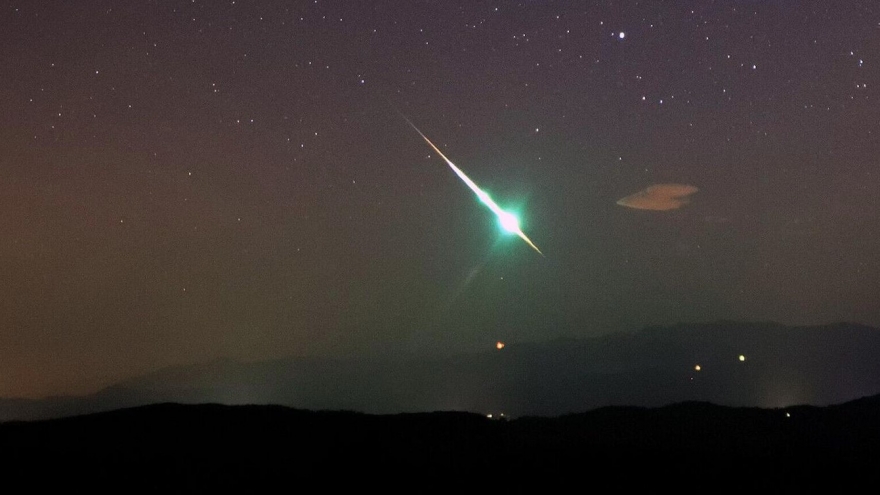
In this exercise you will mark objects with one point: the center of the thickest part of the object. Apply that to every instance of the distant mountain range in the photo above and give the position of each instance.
(740, 364)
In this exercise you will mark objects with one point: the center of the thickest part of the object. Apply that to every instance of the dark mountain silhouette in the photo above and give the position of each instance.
(695, 446)
(782, 366)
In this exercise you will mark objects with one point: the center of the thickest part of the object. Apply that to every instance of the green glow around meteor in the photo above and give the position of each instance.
(508, 220)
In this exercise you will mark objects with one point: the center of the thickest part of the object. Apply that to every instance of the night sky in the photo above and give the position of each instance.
(186, 180)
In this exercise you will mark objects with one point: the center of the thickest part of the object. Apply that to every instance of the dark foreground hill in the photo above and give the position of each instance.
(782, 366)
(697, 447)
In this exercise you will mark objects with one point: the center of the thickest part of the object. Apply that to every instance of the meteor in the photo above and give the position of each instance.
(508, 220)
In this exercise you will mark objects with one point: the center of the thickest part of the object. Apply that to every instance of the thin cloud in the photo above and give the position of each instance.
(659, 197)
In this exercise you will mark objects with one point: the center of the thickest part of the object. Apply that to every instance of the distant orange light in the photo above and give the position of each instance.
(499, 345)
(697, 368)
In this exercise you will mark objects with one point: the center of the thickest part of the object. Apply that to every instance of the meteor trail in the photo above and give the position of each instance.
(508, 220)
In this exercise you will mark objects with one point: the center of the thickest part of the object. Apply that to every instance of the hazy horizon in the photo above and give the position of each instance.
(741, 364)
